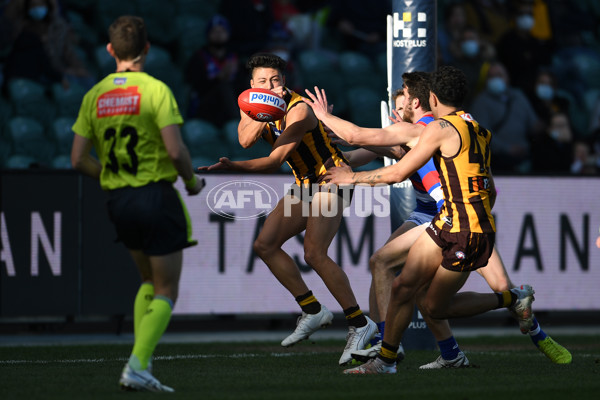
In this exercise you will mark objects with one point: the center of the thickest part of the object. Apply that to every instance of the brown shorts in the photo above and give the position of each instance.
(463, 251)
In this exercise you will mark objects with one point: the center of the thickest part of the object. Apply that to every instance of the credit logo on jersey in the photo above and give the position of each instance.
(478, 183)
(119, 102)
(405, 29)
(467, 117)
(262, 98)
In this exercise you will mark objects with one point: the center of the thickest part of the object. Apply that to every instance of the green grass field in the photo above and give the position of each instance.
(503, 368)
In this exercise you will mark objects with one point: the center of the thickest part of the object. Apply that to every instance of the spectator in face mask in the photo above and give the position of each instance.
(473, 56)
(42, 45)
(507, 112)
(521, 52)
(545, 96)
(455, 20)
(553, 150)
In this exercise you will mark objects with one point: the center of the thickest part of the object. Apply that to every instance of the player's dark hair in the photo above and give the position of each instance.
(128, 37)
(397, 93)
(265, 60)
(418, 84)
(450, 86)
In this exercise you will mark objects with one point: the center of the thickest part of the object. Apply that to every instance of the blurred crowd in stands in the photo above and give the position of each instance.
(533, 68)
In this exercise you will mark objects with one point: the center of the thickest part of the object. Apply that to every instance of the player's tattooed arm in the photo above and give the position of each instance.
(369, 177)
(445, 124)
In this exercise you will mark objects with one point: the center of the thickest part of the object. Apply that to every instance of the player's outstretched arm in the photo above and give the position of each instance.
(429, 143)
(396, 134)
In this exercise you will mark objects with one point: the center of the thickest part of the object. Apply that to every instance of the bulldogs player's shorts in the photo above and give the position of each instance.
(419, 218)
(463, 251)
(151, 218)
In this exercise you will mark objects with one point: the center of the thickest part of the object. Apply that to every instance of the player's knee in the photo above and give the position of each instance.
(261, 248)
(313, 256)
(401, 289)
(432, 310)
(500, 285)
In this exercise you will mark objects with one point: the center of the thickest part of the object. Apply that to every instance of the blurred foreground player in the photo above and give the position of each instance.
(301, 140)
(133, 122)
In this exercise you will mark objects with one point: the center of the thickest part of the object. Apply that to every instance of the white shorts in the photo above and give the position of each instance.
(419, 218)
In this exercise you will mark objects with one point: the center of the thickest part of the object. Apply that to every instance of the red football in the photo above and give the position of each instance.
(262, 105)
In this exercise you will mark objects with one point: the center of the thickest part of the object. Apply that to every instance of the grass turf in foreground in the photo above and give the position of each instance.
(503, 368)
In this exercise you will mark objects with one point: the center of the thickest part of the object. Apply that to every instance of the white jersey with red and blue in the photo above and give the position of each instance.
(426, 182)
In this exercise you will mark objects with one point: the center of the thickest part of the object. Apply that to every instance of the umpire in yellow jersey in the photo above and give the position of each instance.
(132, 120)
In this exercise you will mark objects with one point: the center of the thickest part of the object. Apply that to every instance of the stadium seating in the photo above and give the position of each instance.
(104, 61)
(320, 68)
(358, 70)
(61, 161)
(5, 150)
(365, 106)
(62, 134)
(87, 35)
(68, 100)
(106, 11)
(192, 36)
(159, 16)
(6, 112)
(201, 8)
(159, 65)
(28, 139)
(591, 99)
(19, 161)
(317, 61)
(28, 99)
(203, 138)
(230, 131)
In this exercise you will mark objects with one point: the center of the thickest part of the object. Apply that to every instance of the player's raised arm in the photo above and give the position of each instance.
(258, 106)
(249, 130)
(396, 134)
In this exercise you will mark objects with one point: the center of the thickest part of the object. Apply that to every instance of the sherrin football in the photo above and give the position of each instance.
(262, 105)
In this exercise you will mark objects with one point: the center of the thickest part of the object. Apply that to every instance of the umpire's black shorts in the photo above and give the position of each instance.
(151, 218)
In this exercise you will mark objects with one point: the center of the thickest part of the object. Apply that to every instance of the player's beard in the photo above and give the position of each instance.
(408, 114)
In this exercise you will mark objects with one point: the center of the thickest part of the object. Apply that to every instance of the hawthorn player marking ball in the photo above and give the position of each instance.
(262, 105)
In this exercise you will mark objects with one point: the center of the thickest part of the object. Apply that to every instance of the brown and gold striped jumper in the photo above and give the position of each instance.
(466, 180)
(314, 154)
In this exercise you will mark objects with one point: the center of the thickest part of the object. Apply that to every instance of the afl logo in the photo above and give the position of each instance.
(242, 199)
(264, 116)
(460, 255)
